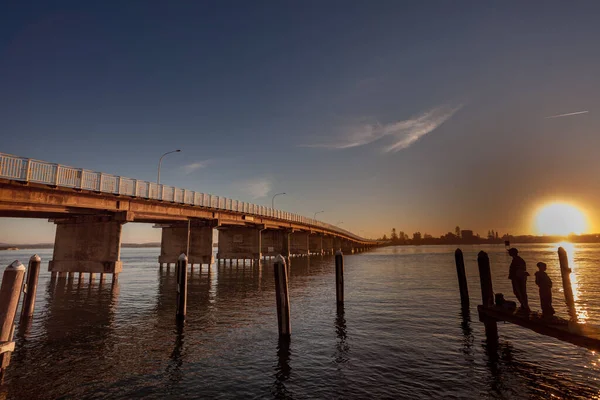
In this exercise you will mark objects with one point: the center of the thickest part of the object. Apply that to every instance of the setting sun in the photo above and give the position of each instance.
(560, 219)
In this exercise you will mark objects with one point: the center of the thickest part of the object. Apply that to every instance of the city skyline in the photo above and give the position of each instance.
(371, 112)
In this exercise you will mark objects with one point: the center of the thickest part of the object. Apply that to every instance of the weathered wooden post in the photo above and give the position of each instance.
(181, 286)
(339, 277)
(462, 277)
(282, 296)
(487, 293)
(485, 278)
(10, 293)
(33, 272)
(565, 273)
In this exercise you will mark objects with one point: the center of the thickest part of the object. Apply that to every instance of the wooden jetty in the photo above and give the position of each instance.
(584, 335)
(567, 330)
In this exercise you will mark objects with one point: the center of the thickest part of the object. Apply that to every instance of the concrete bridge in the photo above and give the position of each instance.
(89, 209)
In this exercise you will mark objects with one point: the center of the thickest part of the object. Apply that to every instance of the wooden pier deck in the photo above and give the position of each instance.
(584, 335)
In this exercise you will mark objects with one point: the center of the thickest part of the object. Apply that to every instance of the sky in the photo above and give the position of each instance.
(418, 116)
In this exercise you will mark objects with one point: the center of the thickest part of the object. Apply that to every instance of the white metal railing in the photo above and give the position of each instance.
(28, 170)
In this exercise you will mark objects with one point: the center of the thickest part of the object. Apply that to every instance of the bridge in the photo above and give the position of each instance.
(89, 209)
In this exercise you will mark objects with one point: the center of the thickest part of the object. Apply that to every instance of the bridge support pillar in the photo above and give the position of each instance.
(347, 247)
(87, 244)
(337, 244)
(328, 245)
(275, 242)
(174, 242)
(316, 244)
(299, 243)
(239, 242)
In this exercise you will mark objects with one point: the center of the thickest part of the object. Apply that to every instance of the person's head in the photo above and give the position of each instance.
(513, 252)
(541, 266)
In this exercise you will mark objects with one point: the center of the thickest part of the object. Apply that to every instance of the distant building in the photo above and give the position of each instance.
(466, 234)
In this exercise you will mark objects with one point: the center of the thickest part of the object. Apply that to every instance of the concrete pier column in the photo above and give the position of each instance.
(316, 244)
(328, 245)
(299, 243)
(337, 243)
(347, 247)
(239, 242)
(87, 244)
(275, 242)
(174, 242)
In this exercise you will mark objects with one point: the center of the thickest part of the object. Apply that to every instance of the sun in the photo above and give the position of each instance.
(560, 219)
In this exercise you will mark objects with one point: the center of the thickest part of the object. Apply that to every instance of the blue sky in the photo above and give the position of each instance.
(413, 115)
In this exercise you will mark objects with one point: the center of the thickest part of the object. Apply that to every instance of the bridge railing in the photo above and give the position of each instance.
(29, 170)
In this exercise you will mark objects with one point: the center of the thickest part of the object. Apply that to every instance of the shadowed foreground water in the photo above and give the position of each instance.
(402, 333)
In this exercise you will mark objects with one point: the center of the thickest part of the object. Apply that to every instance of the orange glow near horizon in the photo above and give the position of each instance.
(560, 219)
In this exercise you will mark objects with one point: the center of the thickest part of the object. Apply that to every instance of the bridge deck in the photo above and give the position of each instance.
(584, 335)
(39, 189)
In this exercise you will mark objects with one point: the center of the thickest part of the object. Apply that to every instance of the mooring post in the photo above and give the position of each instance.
(10, 293)
(282, 296)
(181, 286)
(339, 277)
(33, 272)
(462, 277)
(485, 278)
(487, 293)
(565, 273)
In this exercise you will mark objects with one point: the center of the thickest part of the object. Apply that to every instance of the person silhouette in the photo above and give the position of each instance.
(518, 274)
(545, 284)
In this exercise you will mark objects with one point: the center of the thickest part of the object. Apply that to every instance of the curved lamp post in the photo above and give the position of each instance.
(318, 212)
(160, 162)
(273, 199)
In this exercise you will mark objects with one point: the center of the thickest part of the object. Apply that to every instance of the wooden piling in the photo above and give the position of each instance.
(565, 273)
(485, 278)
(181, 287)
(462, 277)
(339, 277)
(33, 272)
(10, 293)
(282, 296)
(487, 293)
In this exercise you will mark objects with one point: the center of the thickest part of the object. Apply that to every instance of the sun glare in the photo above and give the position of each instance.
(560, 219)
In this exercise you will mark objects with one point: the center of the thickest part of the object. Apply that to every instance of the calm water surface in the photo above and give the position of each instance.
(402, 334)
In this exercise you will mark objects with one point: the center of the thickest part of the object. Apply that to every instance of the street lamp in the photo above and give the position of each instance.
(273, 199)
(318, 212)
(339, 223)
(160, 162)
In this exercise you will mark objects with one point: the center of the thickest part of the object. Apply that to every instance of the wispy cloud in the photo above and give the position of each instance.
(568, 114)
(189, 168)
(401, 134)
(256, 188)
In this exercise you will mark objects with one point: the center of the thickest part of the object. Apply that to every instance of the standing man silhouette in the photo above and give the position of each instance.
(518, 274)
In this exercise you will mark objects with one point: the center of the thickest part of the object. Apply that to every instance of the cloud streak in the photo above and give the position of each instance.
(399, 134)
(567, 114)
(189, 168)
(256, 188)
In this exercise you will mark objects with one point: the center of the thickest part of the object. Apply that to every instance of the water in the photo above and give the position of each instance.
(402, 334)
